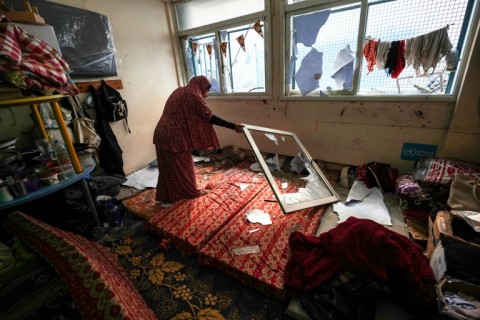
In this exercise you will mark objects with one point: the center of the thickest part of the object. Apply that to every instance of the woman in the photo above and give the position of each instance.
(185, 125)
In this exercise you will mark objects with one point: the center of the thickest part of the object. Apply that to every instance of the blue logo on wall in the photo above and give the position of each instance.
(414, 151)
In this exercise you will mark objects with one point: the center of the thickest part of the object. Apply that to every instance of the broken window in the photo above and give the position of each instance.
(326, 46)
(295, 178)
(226, 41)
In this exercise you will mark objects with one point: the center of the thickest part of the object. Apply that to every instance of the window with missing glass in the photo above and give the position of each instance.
(376, 47)
(226, 42)
(295, 178)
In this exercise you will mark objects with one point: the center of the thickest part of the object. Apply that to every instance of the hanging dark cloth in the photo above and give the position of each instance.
(395, 59)
(110, 153)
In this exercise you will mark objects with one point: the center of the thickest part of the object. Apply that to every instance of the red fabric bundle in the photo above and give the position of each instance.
(363, 247)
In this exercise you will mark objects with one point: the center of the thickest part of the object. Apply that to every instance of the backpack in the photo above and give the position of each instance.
(114, 107)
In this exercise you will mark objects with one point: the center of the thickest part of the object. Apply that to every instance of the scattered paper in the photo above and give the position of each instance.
(201, 159)
(243, 186)
(246, 250)
(358, 192)
(258, 216)
(255, 167)
(143, 178)
(372, 207)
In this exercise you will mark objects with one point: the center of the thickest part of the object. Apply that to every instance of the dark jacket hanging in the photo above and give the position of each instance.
(110, 153)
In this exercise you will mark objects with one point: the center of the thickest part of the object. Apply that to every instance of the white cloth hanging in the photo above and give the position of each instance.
(427, 50)
(382, 54)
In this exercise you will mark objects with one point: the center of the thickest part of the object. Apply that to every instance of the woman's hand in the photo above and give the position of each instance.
(239, 128)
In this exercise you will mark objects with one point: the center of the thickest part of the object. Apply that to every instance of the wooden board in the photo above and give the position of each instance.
(83, 86)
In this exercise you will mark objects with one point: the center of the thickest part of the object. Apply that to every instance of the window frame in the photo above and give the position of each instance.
(215, 28)
(288, 207)
(289, 10)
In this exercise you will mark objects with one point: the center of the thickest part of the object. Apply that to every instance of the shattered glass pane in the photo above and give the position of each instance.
(294, 177)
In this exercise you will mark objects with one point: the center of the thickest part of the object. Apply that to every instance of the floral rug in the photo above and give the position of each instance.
(175, 286)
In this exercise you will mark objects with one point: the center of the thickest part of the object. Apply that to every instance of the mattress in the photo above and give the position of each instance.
(143, 204)
(190, 223)
(264, 270)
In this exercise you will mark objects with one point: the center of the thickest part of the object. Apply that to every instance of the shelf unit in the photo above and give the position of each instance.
(34, 102)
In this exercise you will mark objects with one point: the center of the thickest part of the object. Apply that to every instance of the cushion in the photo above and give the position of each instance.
(408, 188)
(440, 171)
(98, 283)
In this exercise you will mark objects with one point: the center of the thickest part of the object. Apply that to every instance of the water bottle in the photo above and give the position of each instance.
(113, 215)
(63, 160)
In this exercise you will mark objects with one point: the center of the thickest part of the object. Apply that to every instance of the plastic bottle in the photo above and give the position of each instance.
(113, 215)
(45, 148)
(63, 160)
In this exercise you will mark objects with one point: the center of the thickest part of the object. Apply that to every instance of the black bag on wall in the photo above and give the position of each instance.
(114, 107)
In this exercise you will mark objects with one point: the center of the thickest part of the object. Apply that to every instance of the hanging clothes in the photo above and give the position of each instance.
(382, 53)
(110, 152)
(396, 59)
(427, 50)
(369, 51)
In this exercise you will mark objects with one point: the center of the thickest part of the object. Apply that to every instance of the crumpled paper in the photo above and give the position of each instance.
(258, 216)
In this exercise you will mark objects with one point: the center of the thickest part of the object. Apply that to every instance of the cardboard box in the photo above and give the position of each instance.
(430, 240)
(23, 16)
(42, 32)
(442, 230)
(459, 287)
(452, 256)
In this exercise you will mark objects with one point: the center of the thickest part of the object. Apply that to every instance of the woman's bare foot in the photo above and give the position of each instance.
(163, 204)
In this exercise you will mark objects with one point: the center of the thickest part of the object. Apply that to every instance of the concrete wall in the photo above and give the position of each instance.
(345, 132)
(146, 68)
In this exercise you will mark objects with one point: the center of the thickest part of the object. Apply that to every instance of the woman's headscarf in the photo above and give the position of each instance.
(185, 122)
(199, 85)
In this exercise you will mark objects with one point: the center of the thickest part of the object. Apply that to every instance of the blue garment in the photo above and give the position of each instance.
(310, 72)
(307, 26)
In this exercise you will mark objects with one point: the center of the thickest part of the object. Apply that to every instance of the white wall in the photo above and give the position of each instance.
(346, 132)
(146, 68)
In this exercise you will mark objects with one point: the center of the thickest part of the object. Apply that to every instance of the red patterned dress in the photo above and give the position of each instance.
(185, 125)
